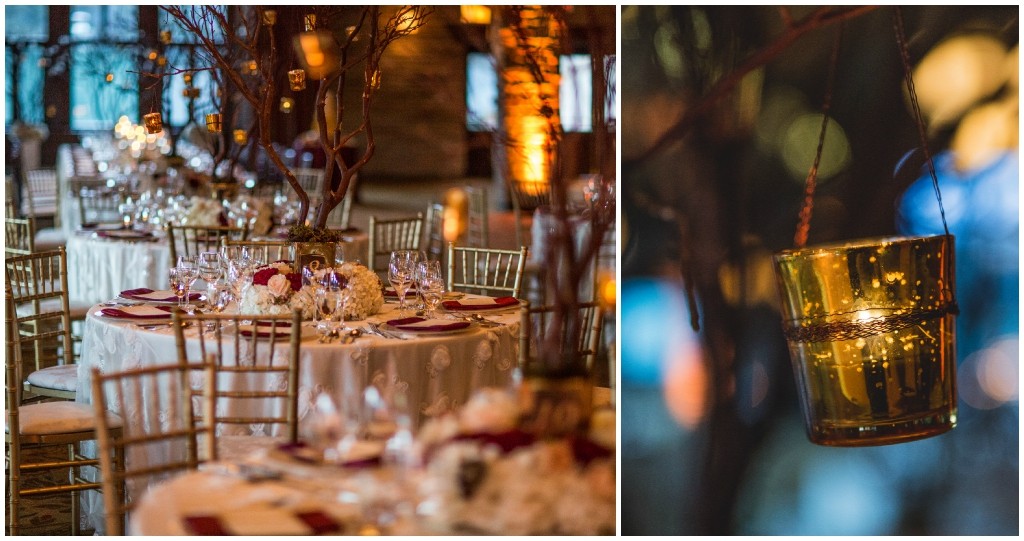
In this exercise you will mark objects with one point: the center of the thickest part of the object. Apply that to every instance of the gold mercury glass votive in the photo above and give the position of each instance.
(870, 327)
(214, 122)
(241, 136)
(190, 92)
(154, 122)
(269, 17)
(297, 79)
(310, 22)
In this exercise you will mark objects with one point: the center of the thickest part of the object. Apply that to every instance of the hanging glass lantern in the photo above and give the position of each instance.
(187, 77)
(310, 22)
(269, 17)
(154, 122)
(190, 92)
(297, 79)
(870, 326)
(165, 36)
(214, 122)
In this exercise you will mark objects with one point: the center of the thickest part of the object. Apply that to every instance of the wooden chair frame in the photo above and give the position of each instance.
(20, 436)
(477, 226)
(19, 236)
(40, 196)
(591, 321)
(386, 236)
(39, 281)
(434, 234)
(243, 359)
(196, 239)
(119, 442)
(486, 270)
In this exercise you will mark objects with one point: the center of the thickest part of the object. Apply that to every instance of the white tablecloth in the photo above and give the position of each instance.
(436, 373)
(99, 269)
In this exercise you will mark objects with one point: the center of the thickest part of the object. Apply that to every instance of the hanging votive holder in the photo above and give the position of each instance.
(287, 104)
(297, 79)
(269, 17)
(214, 122)
(187, 77)
(310, 22)
(165, 37)
(241, 136)
(870, 327)
(190, 92)
(154, 122)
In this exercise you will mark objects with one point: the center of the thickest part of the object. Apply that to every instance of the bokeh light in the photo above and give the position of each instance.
(956, 74)
(801, 145)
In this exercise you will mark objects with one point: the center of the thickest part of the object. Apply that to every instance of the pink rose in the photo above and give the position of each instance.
(279, 286)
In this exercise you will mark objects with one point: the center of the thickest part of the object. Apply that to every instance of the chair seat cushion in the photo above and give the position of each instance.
(61, 378)
(50, 238)
(58, 418)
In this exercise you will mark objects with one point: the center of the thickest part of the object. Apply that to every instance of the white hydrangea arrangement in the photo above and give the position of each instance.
(486, 477)
(366, 296)
(203, 212)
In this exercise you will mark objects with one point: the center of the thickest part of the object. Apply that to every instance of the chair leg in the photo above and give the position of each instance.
(74, 474)
(14, 476)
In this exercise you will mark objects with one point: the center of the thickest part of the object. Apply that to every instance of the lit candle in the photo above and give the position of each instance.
(241, 136)
(287, 104)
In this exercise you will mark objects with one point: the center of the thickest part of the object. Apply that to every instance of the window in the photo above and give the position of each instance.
(103, 56)
(181, 54)
(26, 29)
(575, 93)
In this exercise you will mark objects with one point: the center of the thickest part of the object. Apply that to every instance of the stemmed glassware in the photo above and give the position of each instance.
(430, 285)
(176, 280)
(401, 273)
(188, 270)
(210, 272)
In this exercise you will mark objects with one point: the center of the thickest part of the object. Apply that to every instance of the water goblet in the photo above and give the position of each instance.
(210, 270)
(188, 268)
(401, 270)
(432, 290)
(176, 280)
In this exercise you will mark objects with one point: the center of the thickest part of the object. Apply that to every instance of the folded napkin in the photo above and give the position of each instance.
(124, 234)
(427, 325)
(163, 295)
(481, 303)
(309, 522)
(138, 312)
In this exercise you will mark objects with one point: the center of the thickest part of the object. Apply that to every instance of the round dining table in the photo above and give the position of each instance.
(436, 372)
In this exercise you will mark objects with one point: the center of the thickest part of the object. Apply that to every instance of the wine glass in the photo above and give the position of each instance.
(432, 290)
(188, 269)
(401, 271)
(240, 278)
(175, 278)
(210, 271)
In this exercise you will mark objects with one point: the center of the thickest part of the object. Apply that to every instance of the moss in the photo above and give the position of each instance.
(304, 233)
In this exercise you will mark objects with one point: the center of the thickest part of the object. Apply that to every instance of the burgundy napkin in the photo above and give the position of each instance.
(409, 324)
(136, 294)
(122, 234)
(117, 312)
(481, 304)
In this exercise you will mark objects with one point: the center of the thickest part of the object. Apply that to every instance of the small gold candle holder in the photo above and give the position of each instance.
(109, 78)
(253, 66)
(190, 92)
(154, 122)
(165, 36)
(269, 17)
(161, 61)
(310, 22)
(214, 122)
(241, 136)
(287, 104)
(297, 79)
(187, 77)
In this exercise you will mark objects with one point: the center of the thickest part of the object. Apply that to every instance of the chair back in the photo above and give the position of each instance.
(435, 231)
(156, 437)
(40, 197)
(341, 216)
(311, 180)
(486, 271)
(100, 206)
(535, 322)
(254, 373)
(191, 240)
(37, 284)
(386, 236)
(268, 250)
(477, 229)
(19, 236)
(85, 186)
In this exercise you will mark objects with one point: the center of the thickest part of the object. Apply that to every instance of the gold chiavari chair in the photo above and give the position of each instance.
(38, 287)
(100, 206)
(146, 431)
(477, 228)
(251, 386)
(43, 424)
(535, 322)
(434, 226)
(40, 193)
(19, 236)
(267, 250)
(386, 236)
(189, 240)
(486, 270)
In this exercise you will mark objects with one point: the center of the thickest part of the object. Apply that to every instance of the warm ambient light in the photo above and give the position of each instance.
(455, 219)
(475, 14)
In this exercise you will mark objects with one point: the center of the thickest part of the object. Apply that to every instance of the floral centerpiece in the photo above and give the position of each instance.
(277, 289)
(365, 296)
(204, 212)
(487, 476)
(258, 214)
